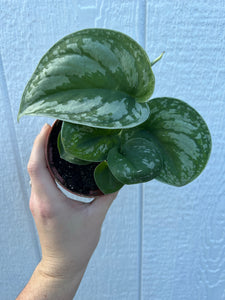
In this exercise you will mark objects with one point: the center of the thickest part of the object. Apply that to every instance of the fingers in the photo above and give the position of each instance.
(41, 179)
(101, 204)
(43, 185)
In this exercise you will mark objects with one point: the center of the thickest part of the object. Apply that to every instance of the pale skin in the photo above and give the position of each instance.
(68, 230)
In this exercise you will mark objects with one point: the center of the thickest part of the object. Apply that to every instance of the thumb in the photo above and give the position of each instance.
(41, 180)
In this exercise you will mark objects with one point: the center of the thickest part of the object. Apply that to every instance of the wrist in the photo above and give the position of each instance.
(57, 283)
(61, 273)
(47, 284)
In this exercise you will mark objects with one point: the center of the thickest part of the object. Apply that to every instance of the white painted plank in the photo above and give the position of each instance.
(183, 251)
(19, 249)
(29, 29)
(114, 270)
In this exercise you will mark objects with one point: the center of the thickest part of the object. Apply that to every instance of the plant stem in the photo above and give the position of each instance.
(157, 59)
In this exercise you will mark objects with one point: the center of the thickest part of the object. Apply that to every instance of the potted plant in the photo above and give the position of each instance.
(97, 84)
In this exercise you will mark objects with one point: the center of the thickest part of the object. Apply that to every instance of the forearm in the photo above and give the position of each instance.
(44, 286)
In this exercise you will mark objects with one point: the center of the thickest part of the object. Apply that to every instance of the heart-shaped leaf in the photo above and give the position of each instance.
(68, 157)
(137, 161)
(105, 180)
(182, 138)
(86, 75)
(88, 143)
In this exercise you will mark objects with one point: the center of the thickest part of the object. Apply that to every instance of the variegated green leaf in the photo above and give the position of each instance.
(182, 137)
(68, 157)
(137, 161)
(89, 107)
(105, 180)
(95, 77)
(87, 143)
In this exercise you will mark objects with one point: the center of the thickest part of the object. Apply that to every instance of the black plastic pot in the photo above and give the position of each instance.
(74, 178)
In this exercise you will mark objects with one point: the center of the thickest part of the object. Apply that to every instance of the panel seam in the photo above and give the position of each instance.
(142, 40)
(16, 153)
(140, 241)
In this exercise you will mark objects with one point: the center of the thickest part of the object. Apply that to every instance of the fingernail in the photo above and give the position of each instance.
(44, 127)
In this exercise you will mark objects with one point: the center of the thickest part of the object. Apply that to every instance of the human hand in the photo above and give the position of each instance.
(69, 230)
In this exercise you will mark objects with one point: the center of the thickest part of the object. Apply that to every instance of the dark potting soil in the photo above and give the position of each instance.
(76, 178)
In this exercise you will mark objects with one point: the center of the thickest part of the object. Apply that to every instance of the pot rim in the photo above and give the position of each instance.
(55, 174)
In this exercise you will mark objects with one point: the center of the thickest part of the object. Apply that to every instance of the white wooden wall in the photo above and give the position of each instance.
(158, 242)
